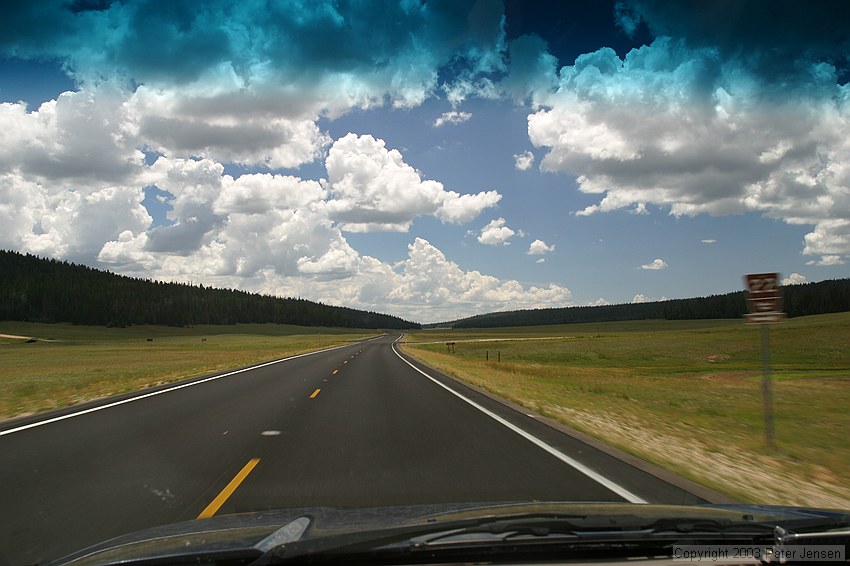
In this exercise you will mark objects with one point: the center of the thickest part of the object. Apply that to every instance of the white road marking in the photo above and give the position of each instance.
(595, 476)
(160, 392)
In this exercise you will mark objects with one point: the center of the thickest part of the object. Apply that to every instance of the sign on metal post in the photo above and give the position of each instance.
(764, 301)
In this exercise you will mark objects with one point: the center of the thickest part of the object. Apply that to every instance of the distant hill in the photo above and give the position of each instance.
(46, 290)
(799, 300)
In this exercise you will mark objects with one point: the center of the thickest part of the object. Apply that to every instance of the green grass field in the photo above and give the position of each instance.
(685, 395)
(70, 364)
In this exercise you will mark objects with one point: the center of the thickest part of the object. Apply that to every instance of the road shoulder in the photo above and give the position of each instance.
(517, 412)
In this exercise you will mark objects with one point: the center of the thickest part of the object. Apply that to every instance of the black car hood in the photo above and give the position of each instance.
(245, 530)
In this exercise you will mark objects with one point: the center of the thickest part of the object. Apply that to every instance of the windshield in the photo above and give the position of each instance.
(415, 258)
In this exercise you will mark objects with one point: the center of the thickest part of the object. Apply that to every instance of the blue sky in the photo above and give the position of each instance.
(431, 160)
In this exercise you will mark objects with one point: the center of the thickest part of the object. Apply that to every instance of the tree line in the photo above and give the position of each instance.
(47, 290)
(798, 300)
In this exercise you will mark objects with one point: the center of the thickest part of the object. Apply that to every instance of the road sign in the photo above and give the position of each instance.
(765, 317)
(762, 282)
(764, 302)
(763, 298)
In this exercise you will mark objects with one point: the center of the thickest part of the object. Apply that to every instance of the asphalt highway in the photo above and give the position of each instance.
(355, 426)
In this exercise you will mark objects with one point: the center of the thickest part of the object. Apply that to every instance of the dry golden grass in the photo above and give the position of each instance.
(686, 396)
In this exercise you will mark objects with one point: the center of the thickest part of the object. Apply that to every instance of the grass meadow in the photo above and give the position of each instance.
(683, 394)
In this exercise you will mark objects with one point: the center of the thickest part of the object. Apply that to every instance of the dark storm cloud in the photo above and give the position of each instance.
(175, 41)
(777, 39)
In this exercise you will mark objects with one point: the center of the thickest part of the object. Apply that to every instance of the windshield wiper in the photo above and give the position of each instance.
(526, 533)
(599, 528)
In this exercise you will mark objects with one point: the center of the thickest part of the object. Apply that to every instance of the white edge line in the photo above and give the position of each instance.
(161, 391)
(616, 488)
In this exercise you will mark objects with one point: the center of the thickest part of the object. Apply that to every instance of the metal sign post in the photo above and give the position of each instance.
(764, 301)
(766, 387)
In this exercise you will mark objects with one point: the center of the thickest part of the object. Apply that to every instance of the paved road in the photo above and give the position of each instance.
(353, 426)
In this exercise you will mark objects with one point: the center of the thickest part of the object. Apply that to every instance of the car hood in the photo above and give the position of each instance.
(243, 531)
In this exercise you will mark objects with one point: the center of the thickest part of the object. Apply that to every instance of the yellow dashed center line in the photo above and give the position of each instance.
(316, 392)
(334, 372)
(216, 503)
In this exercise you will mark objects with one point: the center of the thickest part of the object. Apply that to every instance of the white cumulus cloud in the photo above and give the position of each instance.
(86, 137)
(641, 298)
(655, 265)
(220, 119)
(430, 285)
(453, 117)
(794, 279)
(539, 247)
(223, 227)
(72, 159)
(496, 233)
(719, 141)
(373, 189)
(827, 261)
(524, 161)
